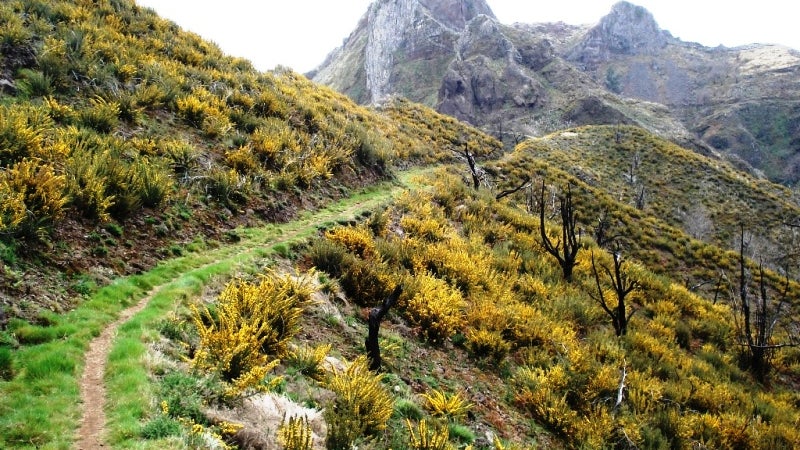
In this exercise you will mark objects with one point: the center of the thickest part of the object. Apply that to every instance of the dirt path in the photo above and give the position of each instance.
(92, 388)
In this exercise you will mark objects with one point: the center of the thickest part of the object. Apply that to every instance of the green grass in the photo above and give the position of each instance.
(40, 407)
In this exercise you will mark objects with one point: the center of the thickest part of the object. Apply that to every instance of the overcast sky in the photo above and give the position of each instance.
(300, 33)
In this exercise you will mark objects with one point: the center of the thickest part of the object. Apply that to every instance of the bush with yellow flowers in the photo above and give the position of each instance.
(435, 307)
(33, 198)
(295, 434)
(250, 323)
(482, 343)
(357, 240)
(361, 408)
(428, 438)
(448, 406)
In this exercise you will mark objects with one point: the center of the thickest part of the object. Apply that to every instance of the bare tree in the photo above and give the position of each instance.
(565, 249)
(476, 172)
(622, 285)
(505, 193)
(640, 199)
(375, 317)
(757, 319)
(602, 230)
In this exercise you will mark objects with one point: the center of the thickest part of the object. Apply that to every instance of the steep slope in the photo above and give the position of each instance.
(740, 100)
(124, 139)
(509, 80)
(395, 44)
(532, 79)
(663, 198)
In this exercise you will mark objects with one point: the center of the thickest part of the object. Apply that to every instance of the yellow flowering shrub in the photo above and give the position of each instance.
(357, 240)
(242, 160)
(425, 438)
(428, 229)
(442, 404)
(308, 360)
(19, 138)
(251, 321)
(295, 434)
(362, 406)
(436, 308)
(483, 343)
(33, 198)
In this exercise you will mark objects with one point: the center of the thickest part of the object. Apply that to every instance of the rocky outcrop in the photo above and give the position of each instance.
(530, 79)
(628, 30)
(400, 46)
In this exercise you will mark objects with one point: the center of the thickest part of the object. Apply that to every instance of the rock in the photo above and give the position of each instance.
(742, 103)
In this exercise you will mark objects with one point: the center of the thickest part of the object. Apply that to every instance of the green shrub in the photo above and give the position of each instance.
(227, 186)
(86, 183)
(154, 184)
(185, 395)
(101, 115)
(327, 256)
(408, 409)
(161, 427)
(683, 335)
(34, 84)
(461, 434)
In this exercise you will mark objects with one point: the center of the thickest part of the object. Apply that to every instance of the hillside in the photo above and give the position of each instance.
(124, 139)
(194, 254)
(704, 196)
(531, 79)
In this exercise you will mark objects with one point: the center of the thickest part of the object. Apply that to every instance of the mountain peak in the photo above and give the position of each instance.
(627, 30)
(456, 13)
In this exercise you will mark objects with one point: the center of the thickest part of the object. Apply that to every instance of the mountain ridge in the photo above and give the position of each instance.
(530, 79)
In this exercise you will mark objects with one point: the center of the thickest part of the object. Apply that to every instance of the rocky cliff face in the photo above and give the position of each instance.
(400, 46)
(744, 101)
(628, 30)
(531, 79)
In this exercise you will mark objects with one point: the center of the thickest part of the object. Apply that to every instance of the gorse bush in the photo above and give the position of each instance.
(357, 240)
(101, 115)
(362, 406)
(295, 434)
(309, 360)
(34, 83)
(449, 406)
(483, 343)
(250, 323)
(435, 307)
(33, 198)
(426, 438)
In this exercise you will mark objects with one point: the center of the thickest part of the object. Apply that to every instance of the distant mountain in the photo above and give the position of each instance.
(529, 79)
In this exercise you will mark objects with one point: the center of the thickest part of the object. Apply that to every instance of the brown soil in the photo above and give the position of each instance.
(93, 391)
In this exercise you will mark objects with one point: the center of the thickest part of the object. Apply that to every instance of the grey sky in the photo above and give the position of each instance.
(300, 33)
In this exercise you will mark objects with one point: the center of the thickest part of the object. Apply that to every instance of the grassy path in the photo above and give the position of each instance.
(41, 407)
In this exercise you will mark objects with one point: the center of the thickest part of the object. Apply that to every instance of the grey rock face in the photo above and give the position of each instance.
(628, 30)
(529, 79)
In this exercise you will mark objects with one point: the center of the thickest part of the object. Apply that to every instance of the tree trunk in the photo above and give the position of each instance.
(375, 317)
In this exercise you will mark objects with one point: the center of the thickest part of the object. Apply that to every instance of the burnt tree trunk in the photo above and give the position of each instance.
(375, 317)
(565, 250)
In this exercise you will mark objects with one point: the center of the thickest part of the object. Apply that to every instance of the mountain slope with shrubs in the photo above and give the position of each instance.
(124, 138)
(127, 142)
